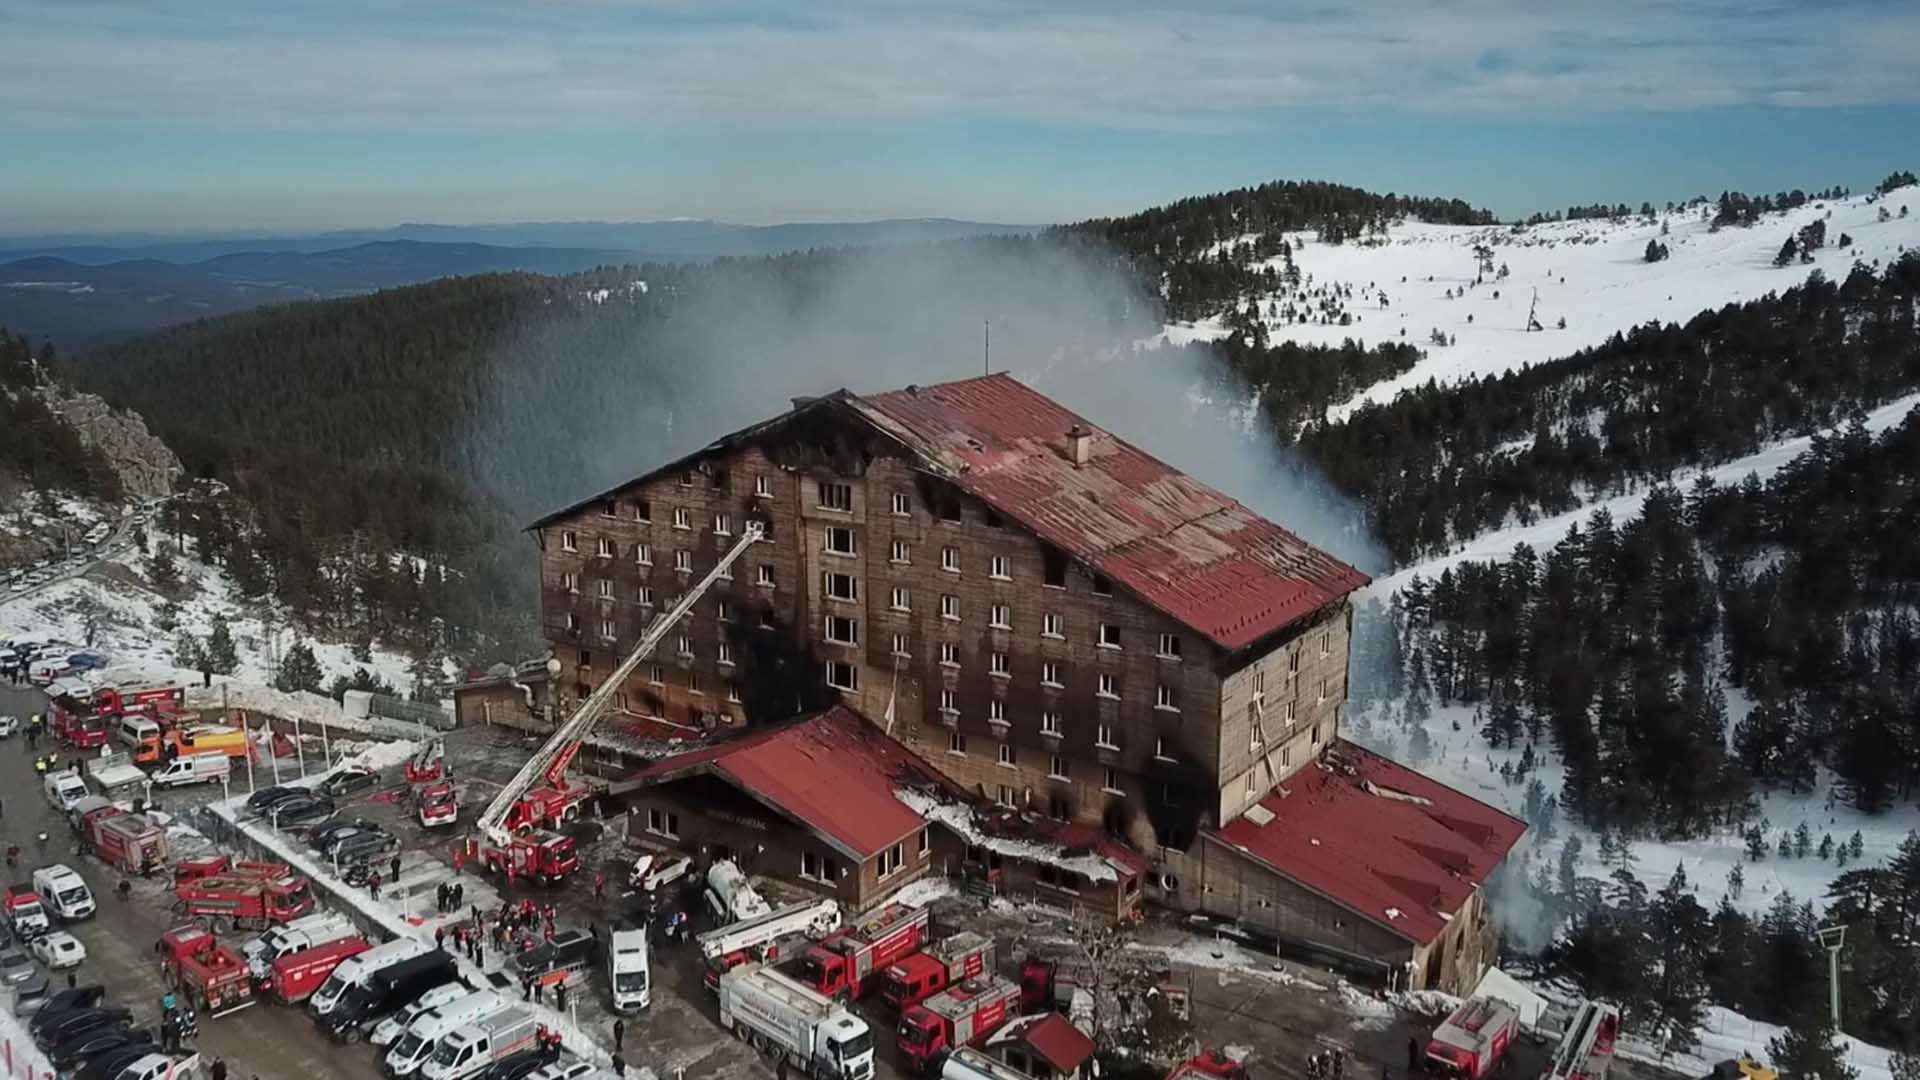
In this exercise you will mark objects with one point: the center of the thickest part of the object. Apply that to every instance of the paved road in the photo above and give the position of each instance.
(267, 1040)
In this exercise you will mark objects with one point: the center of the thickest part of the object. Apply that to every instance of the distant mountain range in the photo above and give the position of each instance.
(83, 291)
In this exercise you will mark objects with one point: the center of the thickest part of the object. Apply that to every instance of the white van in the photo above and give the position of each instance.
(388, 1031)
(356, 970)
(194, 769)
(306, 932)
(134, 730)
(64, 788)
(413, 1048)
(64, 892)
(627, 970)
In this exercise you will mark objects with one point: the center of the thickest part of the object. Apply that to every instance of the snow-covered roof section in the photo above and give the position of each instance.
(1093, 857)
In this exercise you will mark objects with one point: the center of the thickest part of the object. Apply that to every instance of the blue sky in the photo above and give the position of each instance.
(234, 115)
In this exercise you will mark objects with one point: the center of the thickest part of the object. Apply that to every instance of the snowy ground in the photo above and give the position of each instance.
(1592, 273)
(127, 627)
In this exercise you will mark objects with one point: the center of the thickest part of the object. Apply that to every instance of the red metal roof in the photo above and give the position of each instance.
(1396, 847)
(1200, 557)
(833, 771)
(1050, 1037)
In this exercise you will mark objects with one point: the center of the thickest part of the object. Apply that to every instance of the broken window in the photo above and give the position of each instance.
(950, 510)
(604, 588)
(841, 587)
(1053, 568)
(642, 510)
(608, 508)
(842, 675)
(762, 487)
(1102, 586)
(836, 497)
(840, 541)
(1110, 782)
(842, 630)
(1006, 754)
(721, 480)
(1109, 636)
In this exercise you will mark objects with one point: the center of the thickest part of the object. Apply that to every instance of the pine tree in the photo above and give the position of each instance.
(1802, 841)
(1857, 844)
(220, 657)
(1904, 1066)
(1736, 881)
(163, 573)
(1785, 847)
(299, 670)
(187, 652)
(1826, 846)
(1808, 1050)
(1788, 252)
(1680, 929)
(1756, 844)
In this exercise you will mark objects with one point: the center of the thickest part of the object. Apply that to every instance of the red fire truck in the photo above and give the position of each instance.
(1045, 986)
(545, 857)
(247, 895)
(128, 842)
(950, 960)
(77, 723)
(957, 1016)
(293, 978)
(211, 973)
(1473, 1041)
(846, 963)
(437, 804)
(1208, 1065)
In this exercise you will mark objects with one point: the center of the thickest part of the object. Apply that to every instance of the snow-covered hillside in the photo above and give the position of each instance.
(1591, 273)
(125, 615)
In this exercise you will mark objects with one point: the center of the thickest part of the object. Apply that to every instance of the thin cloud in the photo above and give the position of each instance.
(611, 65)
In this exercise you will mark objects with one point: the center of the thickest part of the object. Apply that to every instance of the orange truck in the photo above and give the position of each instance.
(246, 895)
(186, 741)
(847, 963)
(950, 960)
(212, 974)
(961, 1015)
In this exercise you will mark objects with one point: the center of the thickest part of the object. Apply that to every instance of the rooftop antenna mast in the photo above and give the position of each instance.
(986, 350)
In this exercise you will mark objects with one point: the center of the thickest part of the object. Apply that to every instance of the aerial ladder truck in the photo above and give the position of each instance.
(515, 834)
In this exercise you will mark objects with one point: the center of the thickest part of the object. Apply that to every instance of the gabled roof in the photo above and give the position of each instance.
(1393, 846)
(1050, 1037)
(832, 772)
(1198, 556)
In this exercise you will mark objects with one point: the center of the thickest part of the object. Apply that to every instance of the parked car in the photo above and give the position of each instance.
(58, 950)
(302, 811)
(322, 838)
(349, 780)
(71, 1022)
(9, 726)
(78, 1051)
(109, 1065)
(517, 1067)
(263, 800)
(66, 1001)
(362, 846)
(564, 1070)
(18, 970)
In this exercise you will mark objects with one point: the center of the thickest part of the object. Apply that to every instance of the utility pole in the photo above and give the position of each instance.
(986, 351)
(1833, 937)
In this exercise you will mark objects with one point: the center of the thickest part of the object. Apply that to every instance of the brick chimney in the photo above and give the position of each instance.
(1079, 444)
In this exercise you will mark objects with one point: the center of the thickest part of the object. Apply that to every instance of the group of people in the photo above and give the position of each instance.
(450, 895)
(176, 1024)
(35, 730)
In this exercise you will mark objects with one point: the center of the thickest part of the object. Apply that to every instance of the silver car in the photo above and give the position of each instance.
(25, 977)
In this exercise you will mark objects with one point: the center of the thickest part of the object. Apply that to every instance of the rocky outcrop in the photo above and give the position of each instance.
(146, 467)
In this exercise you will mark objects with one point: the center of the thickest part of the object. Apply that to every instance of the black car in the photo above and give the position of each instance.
(362, 846)
(515, 1067)
(66, 1026)
(88, 1045)
(261, 800)
(387, 991)
(107, 1066)
(66, 1001)
(303, 812)
(324, 836)
(349, 780)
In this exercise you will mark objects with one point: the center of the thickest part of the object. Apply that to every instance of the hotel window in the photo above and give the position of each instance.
(956, 743)
(810, 867)
(657, 675)
(720, 480)
(842, 630)
(950, 559)
(643, 511)
(950, 607)
(693, 683)
(1109, 687)
(723, 611)
(573, 621)
(569, 541)
(950, 654)
(1050, 673)
(1000, 616)
(1053, 626)
(1005, 798)
(1286, 756)
(839, 540)
(1160, 751)
(1259, 685)
(685, 645)
(1053, 568)
(901, 600)
(900, 645)
(586, 659)
(643, 554)
(892, 859)
(1057, 767)
(1102, 586)
(1323, 689)
(723, 524)
(606, 629)
(1163, 698)
(604, 587)
(1293, 660)
(686, 478)
(570, 581)
(1316, 734)
(997, 567)
(842, 676)
(841, 587)
(763, 487)
(1049, 723)
(1006, 754)
(1170, 646)
(726, 652)
(949, 701)
(1290, 707)
(643, 596)
(836, 497)
(950, 511)
(1254, 741)
(899, 552)
(1326, 643)
(998, 664)
(1103, 737)
(1109, 636)
(663, 822)
(683, 561)
(1110, 781)
(682, 518)
(603, 548)
(902, 503)
(609, 508)
(764, 575)
(997, 711)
